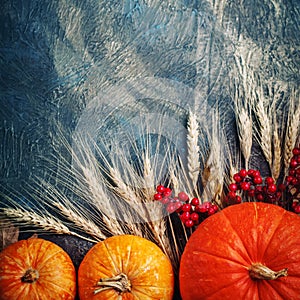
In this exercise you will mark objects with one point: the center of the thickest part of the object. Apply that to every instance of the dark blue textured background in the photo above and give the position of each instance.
(95, 66)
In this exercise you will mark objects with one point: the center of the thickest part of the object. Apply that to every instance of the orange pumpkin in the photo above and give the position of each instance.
(248, 251)
(125, 267)
(36, 269)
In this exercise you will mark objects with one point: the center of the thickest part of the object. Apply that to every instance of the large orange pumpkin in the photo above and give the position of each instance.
(36, 269)
(249, 251)
(125, 267)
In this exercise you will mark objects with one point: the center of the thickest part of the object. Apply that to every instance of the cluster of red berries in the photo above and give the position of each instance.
(190, 211)
(265, 190)
(292, 181)
(253, 185)
(250, 182)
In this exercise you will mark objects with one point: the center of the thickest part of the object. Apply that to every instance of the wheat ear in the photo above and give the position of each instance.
(158, 227)
(245, 130)
(174, 181)
(193, 148)
(292, 130)
(46, 223)
(264, 131)
(213, 173)
(82, 223)
(277, 152)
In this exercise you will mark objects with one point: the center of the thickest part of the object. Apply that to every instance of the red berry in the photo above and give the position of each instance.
(272, 188)
(259, 197)
(195, 201)
(186, 207)
(257, 180)
(185, 216)
(237, 178)
(250, 172)
(293, 163)
(215, 207)
(289, 178)
(231, 195)
(183, 196)
(256, 173)
(296, 151)
(178, 206)
(294, 181)
(197, 208)
(292, 172)
(194, 217)
(251, 193)
(281, 187)
(211, 211)
(165, 200)
(258, 189)
(243, 173)
(167, 192)
(157, 196)
(189, 223)
(207, 204)
(297, 209)
(233, 187)
(245, 186)
(171, 207)
(226, 200)
(201, 208)
(238, 199)
(160, 189)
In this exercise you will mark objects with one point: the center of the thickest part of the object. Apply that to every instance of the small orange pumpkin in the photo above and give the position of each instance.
(36, 269)
(248, 251)
(125, 267)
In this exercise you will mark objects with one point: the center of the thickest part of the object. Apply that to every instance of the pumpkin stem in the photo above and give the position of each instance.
(30, 276)
(120, 283)
(259, 271)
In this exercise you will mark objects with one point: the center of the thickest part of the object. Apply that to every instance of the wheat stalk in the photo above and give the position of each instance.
(93, 186)
(135, 197)
(174, 181)
(23, 217)
(158, 227)
(99, 197)
(292, 131)
(245, 131)
(133, 189)
(121, 188)
(83, 223)
(213, 173)
(277, 154)
(264, 131)
(54, 198)
(173, 252)
(193, 148)
(242, 90)
(148, 178)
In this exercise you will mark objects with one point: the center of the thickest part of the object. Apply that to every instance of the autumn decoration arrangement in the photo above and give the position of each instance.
(213, 228)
